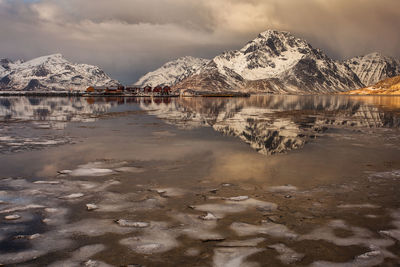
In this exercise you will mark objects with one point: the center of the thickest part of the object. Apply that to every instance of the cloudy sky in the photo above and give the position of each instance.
(128, 38)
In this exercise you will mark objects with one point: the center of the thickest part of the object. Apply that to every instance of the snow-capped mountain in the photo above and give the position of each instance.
(374, 67)
(275, 62)
(52, 72)
(172, 72)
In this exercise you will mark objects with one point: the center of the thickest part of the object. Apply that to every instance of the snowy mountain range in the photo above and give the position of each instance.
(172, 72)
(374, 67)
(274, 62)
(52, 72)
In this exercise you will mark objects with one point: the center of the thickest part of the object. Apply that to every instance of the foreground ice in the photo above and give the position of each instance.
(81, 256)
(268, 228)
(101, 168)
(234, 257)
(154, 239)
(286, 254)
(234, 206)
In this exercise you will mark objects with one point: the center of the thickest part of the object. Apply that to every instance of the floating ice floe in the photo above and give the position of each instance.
(129, 223)
(370, 258)
(234, 257)
(208, 217)
(286, 254)
(100, 168)
(238, 198)
(38, 246)
(73, 196)
(231, 206)
(22, 208)
(47, 182)
(155, 239)
(267, 228)
(95, 227)
(282, 188)
(80, 257)
(12, 217)
(394, 233)
(169, 192)
(196, 228)
(359, 237)
(91, 207)
(395, 174)
(29, 237)
(114, 202)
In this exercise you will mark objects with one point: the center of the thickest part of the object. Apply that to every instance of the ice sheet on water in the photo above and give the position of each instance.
(95, 227)
(196, 228)
(394, 233)
(81, 255)
(358, 206)
(395, 174)
(234, 257)
(157, 238)
(370, 258)
(115, 202)
(130, 223)
(221, 209)
(282, 188)
(268, 228)
(170, 192)
(359, 237)
(46, 243)
(101, 168)
(286, 254)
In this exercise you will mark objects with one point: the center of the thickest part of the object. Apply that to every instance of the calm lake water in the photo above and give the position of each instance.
(259, 181)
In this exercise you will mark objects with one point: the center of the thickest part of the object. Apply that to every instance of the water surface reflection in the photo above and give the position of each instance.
(269, 124)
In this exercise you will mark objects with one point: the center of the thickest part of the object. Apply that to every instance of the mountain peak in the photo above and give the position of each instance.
(271, 32)
(173, 71)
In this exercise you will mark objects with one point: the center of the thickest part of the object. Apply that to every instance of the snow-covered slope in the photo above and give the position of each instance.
(275, 62)
(172, 72)
(374, 67)
(51, 72)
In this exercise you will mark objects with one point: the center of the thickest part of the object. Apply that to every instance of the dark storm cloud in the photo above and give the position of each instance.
(130, 37)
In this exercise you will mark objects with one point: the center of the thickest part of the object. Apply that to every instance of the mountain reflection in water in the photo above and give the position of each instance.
(276, 124)
(269, 124)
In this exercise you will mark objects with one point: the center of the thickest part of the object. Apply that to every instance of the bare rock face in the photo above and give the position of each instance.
(51, 72)
(274, 62)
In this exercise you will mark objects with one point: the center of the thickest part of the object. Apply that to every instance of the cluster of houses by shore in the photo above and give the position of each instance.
(163, 91)
(134, 91)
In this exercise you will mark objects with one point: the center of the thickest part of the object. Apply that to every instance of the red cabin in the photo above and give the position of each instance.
(166, 90)
(157, 89)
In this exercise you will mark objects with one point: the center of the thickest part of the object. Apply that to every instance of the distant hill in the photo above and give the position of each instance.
(388, 86)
